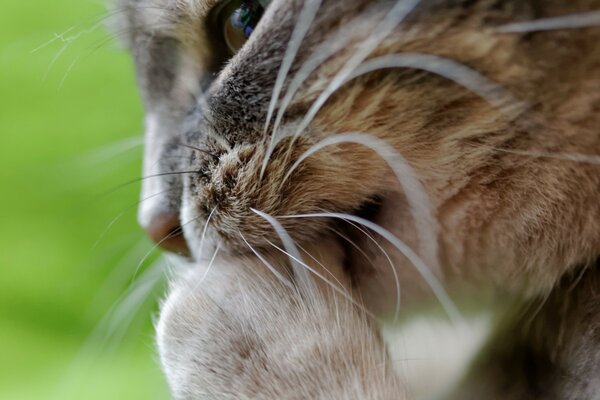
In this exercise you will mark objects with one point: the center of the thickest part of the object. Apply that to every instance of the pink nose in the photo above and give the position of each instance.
(165, 231)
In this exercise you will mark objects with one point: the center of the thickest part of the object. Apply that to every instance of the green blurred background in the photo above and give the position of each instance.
(75, 316)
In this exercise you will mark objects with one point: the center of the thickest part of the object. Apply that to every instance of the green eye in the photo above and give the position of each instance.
(237, 19)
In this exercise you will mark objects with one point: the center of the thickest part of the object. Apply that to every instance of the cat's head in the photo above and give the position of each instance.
(442, 121)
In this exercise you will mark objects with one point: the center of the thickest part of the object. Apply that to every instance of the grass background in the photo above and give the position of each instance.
(75, 317)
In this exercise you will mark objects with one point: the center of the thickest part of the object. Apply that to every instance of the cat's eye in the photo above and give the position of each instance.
(236, 20)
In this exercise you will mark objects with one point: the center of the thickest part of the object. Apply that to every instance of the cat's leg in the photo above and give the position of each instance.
(548, 350)
(239, 331)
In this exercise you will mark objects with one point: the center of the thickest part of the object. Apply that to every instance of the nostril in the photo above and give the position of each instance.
(165, 230)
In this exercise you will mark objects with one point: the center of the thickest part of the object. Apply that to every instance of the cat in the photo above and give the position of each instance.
(323, 166)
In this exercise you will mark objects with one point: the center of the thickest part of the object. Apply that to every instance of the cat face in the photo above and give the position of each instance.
(432, 119)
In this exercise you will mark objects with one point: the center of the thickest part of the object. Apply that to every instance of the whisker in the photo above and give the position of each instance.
(445, 67)
(208, 153)
(395, 16)
(57, 36)
(305, 20)
(286, 282)
(342, 291)
(306, 283)
(54, 60)
(112, 327)
(94, 21)
(323, 52)
(92, 50)
(353, 244)
(310, 269)
(124, 308)
(459, 73)
(300, 268)
(320, 264)
(423, 269)
(204, 232)
(365, 255)
(571, 21)
(67, 72)
(121, 214)
(119, 273)
(131, 182)
(68, 40)
(390, 262)
(414, 191)
(208, 269)
(220, 140)
(174, 233)
(109, 151)
(123, 314)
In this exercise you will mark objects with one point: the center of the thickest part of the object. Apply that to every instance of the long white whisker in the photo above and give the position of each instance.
(319, 56)
(305, 20)
(320, 264)
(414, 191)
(312, 270)
(572, 21)
(120, 215)
(306, 282)
(278, 275)
(125, 307)
(395, 16)
(119, 316)
(342, 291)
(445, 67)
(414, 258)
(107, 152)
(119, 273)
(157, 245)
(353, 244)
(204, 232)
(135, 299)
(67, 42)
(208, 269)
(397, 13)
(57, 36)
(62, 37)
(54, 60)
(392, 266)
